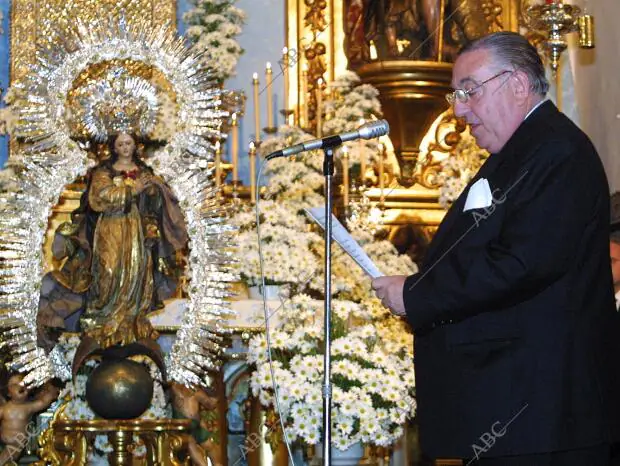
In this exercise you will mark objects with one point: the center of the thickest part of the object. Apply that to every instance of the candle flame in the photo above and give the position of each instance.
(284, 51)
(373, 51)
(234, 117)
(252, 145)
(255, 76)
(268, 66)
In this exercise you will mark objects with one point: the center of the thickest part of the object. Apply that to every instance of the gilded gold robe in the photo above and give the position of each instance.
(121, 291)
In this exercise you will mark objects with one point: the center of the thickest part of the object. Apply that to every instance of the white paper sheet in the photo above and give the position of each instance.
(341, 236)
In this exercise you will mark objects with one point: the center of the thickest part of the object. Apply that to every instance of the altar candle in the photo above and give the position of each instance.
(345, 176)
(256, 107)
(252, 155)
(269, 79)
(235, 148)
(285, 73)
(381, 173)
(304, 93)
(218, 164)
(319, 105)
(362, 156)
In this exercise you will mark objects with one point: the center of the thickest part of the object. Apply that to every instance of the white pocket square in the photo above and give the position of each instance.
(479, 195)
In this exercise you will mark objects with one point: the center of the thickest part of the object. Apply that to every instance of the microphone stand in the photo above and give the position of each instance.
(367, 131)
(328, 172)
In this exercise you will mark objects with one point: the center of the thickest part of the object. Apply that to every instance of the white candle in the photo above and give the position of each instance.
(345, 176)
(235, 148)
(218, 164)
(252, 155)
(269, 78)
(362, 155)
(381, 173)
(256, 107)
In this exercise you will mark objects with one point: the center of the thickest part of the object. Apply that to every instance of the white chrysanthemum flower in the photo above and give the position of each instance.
(213, 26)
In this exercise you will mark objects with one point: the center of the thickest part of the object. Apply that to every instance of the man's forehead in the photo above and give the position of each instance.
(469, 66)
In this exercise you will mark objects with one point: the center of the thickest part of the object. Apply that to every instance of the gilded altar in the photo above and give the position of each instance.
(405, 50)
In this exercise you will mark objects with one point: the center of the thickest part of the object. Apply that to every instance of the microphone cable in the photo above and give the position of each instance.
(276, 394)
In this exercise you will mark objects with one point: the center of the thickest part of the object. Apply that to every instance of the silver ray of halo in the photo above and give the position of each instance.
(52, 160)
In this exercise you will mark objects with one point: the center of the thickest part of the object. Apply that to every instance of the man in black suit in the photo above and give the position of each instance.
(513, 311)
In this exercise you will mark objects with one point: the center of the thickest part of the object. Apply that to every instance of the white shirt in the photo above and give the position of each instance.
(617, 299)
(534, 108)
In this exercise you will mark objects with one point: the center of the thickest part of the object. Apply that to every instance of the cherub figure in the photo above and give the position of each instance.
(187, 404)
(15, 414)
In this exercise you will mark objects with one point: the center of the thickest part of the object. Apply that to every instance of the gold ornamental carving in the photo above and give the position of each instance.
(34, 22)
(315, 55)
(412, 96)
(65, 442)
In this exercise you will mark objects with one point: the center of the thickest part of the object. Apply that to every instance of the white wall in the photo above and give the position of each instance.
(597, 83)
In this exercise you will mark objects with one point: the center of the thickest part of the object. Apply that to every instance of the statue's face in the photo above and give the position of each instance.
(17, 392)
(124, 146)
(490, 108)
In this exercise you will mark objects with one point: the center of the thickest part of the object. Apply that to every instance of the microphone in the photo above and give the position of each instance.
(369, 130)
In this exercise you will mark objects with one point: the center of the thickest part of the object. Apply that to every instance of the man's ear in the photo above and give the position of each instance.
(520, 85)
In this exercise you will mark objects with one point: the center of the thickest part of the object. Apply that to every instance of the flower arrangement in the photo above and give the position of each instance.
(352, 102)
(293, 248)
(372, 350)
(213, 26)
(288, 256)
(459, 168)
(372, 366)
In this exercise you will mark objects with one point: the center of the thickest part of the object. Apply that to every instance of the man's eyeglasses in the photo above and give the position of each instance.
(463, 95)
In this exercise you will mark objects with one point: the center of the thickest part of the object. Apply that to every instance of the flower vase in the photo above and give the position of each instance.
(272, 292)
(353, 456)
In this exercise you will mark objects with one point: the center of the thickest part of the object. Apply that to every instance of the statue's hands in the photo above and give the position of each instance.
(142, 182)
(49, 392)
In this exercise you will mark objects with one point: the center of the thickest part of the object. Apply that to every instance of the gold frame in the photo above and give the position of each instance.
(299, 35)
(26, 33)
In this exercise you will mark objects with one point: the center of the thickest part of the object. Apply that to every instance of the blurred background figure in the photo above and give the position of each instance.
(614, 244)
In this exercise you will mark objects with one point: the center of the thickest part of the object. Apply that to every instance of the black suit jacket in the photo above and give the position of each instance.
(513, 310)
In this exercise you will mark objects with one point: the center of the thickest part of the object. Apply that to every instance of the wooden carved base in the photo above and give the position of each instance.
(66, 443)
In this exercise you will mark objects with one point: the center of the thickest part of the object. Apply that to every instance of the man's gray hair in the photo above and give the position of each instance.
(513, 50)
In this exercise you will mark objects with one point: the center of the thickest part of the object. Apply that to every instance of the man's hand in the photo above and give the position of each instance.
(390, 291)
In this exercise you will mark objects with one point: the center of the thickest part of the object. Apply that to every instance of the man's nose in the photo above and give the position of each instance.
(460, 109)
